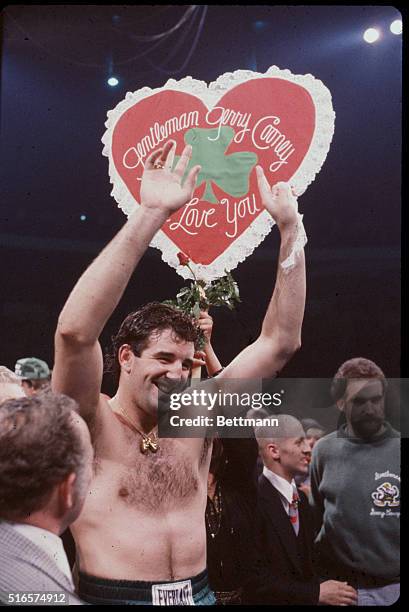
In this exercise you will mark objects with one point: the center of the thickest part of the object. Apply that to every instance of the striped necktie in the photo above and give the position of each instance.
(293, 511)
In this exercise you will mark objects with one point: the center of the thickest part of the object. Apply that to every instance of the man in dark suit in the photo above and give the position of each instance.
(285, 573)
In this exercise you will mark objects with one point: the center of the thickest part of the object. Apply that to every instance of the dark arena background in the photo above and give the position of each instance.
(56, 208)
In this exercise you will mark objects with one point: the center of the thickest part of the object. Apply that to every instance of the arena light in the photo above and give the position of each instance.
(259, 25)
(396, 27)
(83, 217)
(113, 81)
(371, 35)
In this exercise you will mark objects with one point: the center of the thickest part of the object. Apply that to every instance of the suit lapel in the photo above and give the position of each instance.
(280, 520)
(32, 554)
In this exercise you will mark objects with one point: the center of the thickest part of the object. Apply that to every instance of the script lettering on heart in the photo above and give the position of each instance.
(281, 121)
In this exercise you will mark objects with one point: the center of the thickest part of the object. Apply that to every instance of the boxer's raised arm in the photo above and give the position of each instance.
(280, 335)
(78, 358)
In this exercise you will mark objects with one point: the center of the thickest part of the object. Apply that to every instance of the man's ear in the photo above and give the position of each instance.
(274, 451)
(28, 387)
(125, 356)
(340, 405)
(66, 493)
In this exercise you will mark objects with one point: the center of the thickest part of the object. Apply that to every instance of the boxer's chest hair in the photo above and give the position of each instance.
(158, 481)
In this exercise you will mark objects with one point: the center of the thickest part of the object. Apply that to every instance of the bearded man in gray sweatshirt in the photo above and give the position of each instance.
(355, 489)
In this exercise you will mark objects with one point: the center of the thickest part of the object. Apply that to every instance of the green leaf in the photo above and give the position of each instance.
(196, 310)
(221, 292)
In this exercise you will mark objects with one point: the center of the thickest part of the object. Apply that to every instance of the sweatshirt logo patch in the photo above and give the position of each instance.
(386, 495)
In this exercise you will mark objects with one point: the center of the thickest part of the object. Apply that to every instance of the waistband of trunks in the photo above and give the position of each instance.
(95, 588)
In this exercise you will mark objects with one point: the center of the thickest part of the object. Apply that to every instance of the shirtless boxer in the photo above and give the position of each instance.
(141, 537)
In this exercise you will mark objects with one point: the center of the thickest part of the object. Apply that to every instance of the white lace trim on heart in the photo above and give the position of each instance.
(261, 226)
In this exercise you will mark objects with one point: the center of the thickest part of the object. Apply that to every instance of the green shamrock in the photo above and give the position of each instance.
(229, 172)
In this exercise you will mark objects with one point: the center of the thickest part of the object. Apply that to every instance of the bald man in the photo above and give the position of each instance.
(285, 533)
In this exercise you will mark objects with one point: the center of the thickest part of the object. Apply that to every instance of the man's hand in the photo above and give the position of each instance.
(335, 593)
(213, 365)
(206, 325)
(306, 489)
(161, 189)
(199, 359)
(280, 200)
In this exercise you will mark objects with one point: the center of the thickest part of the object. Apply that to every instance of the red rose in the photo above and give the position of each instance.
(183, 259)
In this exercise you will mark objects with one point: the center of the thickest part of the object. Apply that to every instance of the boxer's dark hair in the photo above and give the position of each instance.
(358, 367)
(139, 327)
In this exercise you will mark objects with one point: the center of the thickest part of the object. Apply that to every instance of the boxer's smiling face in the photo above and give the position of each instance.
(164, 364)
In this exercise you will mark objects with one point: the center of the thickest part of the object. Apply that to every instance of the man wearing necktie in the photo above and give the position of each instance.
(285, 573)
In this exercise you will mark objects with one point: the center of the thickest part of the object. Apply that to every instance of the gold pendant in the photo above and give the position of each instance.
(154, 446)
(149, 445)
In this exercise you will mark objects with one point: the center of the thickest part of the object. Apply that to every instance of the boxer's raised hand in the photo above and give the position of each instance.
(279, 200)
(162, 189)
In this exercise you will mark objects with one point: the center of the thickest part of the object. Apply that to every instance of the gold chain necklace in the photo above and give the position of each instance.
(148, 443)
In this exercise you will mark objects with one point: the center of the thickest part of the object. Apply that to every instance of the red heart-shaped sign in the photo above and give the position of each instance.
(267, 120)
